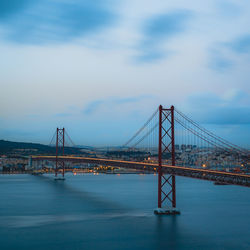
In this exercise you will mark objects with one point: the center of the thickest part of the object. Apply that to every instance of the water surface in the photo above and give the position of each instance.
(116, 212)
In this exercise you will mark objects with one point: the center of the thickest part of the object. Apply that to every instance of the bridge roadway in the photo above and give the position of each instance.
(204, 174)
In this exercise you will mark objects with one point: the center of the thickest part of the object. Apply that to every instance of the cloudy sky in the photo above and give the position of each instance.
(100, 68)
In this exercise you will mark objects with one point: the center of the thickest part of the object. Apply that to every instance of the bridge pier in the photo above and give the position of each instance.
(166, 184)
(60, 140)
(57, 178)
(166, 211)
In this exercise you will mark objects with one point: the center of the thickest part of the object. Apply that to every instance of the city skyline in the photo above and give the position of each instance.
(101, 69)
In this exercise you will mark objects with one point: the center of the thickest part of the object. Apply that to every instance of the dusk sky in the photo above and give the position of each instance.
(100, 68)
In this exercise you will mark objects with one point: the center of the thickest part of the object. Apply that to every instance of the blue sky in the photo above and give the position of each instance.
(100, 68)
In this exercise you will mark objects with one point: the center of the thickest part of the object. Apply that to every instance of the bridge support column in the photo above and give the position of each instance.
(166, 148)
(60, 139)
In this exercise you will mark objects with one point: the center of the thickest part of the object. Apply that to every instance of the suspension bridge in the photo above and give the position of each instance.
(173, 145)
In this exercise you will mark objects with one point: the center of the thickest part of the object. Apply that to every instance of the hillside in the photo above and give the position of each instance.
(24, 148)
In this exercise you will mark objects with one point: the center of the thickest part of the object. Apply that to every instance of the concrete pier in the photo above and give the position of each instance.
(59, 179)
(166, 211)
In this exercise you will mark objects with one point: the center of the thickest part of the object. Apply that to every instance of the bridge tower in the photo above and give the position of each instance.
(166, 149)
(60, 140)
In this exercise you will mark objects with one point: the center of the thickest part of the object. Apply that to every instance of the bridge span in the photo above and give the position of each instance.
(203, 174)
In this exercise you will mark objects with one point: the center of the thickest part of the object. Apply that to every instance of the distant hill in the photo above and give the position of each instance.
(26, 148)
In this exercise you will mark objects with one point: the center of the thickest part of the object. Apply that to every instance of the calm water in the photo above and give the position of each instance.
(116, 212)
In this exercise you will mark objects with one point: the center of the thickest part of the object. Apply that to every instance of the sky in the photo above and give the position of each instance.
(101, 68)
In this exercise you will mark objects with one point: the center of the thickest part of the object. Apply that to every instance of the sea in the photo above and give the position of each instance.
(115, 211)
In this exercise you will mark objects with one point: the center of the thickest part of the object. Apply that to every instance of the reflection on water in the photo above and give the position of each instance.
(116, 212)
(40, 220)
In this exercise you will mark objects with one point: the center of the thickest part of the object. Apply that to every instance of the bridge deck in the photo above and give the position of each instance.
(204, 174)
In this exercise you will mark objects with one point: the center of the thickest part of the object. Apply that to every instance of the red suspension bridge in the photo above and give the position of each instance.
(173, 145)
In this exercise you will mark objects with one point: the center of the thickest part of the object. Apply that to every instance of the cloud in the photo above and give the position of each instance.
(63, 115)
(93, 106)
(219, 61)
(228, 9)
(241, 45)
(50, 21)
(8, 8)
(158, 30)
(223, 55)
(231, 108)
